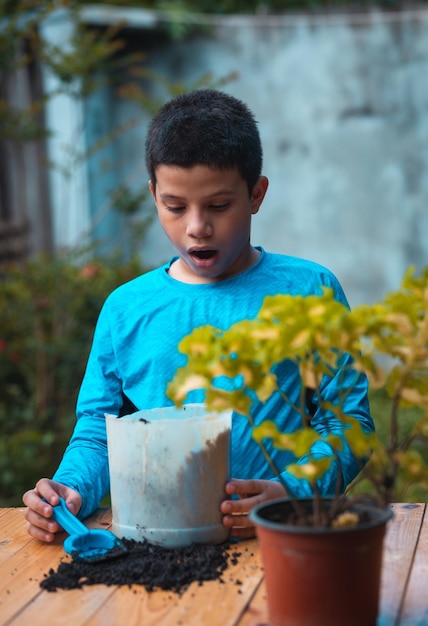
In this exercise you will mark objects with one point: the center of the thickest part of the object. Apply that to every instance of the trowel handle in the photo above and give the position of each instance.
(68, 521)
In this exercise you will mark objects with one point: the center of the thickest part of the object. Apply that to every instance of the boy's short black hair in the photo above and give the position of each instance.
(205, 127)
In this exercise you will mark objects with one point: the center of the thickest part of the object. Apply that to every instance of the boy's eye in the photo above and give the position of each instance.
(214, 207)
(175, 209)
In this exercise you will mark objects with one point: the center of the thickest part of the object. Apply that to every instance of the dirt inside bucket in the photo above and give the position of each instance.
(154, 567)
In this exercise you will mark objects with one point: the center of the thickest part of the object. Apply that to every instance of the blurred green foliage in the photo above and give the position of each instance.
(48, 311)
(180, 17)
(83, 63)
(248, 6)
(380, 408)
(77, 65)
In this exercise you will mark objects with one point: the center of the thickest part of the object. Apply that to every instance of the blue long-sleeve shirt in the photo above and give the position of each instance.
(135, 353)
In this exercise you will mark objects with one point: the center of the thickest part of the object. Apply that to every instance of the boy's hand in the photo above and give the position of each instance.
(39, 502)
(250, 493)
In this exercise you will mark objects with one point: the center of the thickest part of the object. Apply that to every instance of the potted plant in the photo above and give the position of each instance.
(388, 341)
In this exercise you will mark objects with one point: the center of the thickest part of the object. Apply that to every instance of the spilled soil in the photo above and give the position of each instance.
(154, 567)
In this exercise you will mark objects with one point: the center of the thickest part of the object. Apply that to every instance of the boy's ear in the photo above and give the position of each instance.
(258, 193)
(152, 189)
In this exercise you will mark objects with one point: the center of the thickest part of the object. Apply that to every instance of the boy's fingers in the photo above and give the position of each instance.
(39, 502)
(40, 522)
(232, 521)
(243, 488)
(47, 493)
(241, 506)
(34, 503)
(49, 490)
(39, 533)
(242, 533)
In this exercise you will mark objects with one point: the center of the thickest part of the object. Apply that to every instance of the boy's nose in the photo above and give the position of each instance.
(198, 225)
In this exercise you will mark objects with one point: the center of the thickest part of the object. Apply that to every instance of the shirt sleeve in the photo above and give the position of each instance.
(84, 466)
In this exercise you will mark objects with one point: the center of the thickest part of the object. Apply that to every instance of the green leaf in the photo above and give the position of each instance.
(312, 470)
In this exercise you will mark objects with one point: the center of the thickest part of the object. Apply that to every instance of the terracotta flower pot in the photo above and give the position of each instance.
(320, 576)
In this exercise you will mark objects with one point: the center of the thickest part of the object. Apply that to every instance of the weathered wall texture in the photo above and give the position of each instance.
(342, 104)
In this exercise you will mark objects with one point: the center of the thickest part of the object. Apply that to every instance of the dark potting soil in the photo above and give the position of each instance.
(145, 564)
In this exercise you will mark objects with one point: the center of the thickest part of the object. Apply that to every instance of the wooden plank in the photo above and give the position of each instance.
(210, 603)
(399, 550)
(24, 562)
(13, 533)
(5, 515)
(256, 613)
(100, 519)
(20, 576)
(5, 512)
(415, 607)
(22, 602)
(62, 608)
(20, 593)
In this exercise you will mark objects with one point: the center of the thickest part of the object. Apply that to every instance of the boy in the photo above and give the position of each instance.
(204, 158)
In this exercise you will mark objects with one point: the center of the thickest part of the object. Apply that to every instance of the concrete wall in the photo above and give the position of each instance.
(342, 103)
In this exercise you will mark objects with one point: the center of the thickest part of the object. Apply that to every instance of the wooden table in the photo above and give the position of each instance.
(24, 562)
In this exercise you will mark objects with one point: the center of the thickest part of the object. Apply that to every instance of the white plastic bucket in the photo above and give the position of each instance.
(168, 469)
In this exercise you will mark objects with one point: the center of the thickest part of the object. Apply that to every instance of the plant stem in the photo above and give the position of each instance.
(297, 508)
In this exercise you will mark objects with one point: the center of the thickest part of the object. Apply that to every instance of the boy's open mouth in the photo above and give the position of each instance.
(203, 254)
(204, 259)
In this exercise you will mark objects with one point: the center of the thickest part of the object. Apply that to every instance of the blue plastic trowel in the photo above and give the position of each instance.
(86, 544)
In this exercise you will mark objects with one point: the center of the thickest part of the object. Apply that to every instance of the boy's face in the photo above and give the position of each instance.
(206, 214)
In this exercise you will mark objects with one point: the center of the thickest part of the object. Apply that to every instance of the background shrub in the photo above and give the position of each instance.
(48, 311)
